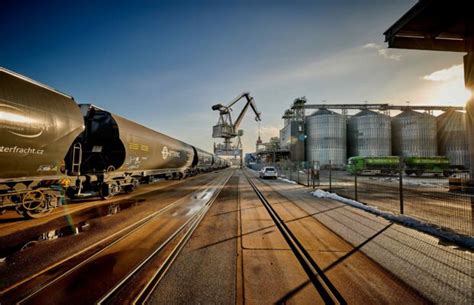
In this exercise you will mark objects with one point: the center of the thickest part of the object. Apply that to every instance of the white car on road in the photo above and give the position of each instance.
(268, 172)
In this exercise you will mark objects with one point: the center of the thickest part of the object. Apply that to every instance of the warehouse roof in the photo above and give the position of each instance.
(434, 25)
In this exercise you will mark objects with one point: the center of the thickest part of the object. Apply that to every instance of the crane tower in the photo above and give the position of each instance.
(227, 129)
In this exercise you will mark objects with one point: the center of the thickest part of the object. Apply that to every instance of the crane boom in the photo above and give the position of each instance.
(250, 103)
(225, 127)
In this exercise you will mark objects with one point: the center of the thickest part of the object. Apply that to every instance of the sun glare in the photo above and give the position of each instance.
(451, 92)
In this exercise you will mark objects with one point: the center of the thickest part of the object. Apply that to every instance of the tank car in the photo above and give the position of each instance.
(117, 154)
(38, 124)
(205, 161)
(50, 145)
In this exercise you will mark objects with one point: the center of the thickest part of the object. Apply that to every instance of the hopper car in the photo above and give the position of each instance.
(391, 165)
(51, 147)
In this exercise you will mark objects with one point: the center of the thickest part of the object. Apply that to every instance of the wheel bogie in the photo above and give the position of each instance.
(33, 203)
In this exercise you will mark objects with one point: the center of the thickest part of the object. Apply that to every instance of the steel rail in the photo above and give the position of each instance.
(323, 285)
(146, 291)
(109, 240)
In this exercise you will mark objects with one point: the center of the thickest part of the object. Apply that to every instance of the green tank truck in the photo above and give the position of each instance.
(391, 164)
(373, 165)
(421, 165)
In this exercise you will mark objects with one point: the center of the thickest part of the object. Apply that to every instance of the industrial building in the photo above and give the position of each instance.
(331, 137)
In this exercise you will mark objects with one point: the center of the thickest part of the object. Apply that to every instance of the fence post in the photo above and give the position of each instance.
(318, 173)
(308, 172)
(297, 172)
(400, 174)
(330, 176)
(355, 186)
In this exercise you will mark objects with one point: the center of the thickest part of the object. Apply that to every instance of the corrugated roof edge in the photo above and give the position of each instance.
(2, 69)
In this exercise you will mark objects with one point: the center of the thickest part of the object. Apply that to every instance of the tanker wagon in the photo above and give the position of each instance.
(38, 124)
(114, 154)
(49, 144)
(219, 163)
(206, 161)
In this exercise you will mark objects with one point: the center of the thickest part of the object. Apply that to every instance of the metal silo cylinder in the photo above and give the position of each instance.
(326, 138)
(452, 138)
(369, 134)
(414, 134)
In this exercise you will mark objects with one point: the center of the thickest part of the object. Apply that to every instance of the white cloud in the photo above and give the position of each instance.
(454, 72)
(446, 86)
(382, 51)
(266, 132)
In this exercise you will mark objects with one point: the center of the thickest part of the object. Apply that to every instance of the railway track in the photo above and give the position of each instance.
(320, 281)
(129, 290)
(117, 268)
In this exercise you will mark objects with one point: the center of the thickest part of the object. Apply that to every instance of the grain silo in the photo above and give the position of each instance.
(326, 141)
(452, 138)
(369, 134)
(414, 134)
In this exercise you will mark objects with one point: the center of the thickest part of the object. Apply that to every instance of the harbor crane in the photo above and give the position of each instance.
(227, 129)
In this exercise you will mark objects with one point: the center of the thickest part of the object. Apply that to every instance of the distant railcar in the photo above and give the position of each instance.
(205, 161)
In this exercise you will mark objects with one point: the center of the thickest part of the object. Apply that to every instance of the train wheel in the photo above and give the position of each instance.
(131, 187)
(128, 188)
(35, 204)
(108, 190)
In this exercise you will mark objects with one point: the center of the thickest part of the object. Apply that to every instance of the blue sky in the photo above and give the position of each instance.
(164, 64)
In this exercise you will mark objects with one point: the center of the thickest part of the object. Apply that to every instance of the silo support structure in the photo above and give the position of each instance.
(469, 80)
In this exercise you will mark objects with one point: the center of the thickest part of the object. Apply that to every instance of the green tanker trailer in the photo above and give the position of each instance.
(421, 165)
(391, 165)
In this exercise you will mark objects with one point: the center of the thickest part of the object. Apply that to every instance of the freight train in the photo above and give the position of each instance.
(52, 148)
(391, 165)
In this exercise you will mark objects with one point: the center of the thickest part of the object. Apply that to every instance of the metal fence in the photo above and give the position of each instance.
(430, 198)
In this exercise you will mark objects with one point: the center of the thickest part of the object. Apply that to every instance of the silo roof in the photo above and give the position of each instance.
(365, 112)
(324, 111)
(450, 113)
(406, 113)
